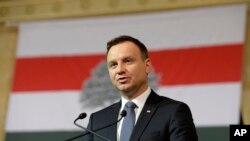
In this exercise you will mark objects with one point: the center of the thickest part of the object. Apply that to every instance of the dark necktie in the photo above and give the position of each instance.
(128, 122)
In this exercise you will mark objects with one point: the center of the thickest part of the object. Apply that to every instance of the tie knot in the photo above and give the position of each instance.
(130, 105)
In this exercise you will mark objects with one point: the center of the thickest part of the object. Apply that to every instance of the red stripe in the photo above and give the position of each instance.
(182, 66)
(199, 65)
(53, 73)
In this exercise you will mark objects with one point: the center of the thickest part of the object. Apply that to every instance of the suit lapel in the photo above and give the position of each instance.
(146, 114)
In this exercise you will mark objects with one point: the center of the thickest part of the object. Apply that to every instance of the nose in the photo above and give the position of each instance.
(120, 69)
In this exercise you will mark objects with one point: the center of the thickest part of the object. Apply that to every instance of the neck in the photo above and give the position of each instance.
(130, 95)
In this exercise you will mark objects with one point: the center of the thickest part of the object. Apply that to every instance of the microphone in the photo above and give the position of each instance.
(83, 115)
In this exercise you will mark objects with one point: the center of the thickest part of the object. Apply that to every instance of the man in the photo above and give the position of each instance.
(154, 118)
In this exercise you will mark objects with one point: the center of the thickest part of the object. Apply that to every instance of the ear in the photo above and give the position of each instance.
(148, 65)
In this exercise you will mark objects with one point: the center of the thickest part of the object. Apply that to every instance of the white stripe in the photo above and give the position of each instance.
(211, 105)
(170, 29)
(45, 111)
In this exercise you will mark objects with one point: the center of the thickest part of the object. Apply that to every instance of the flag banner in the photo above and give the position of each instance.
(61, 69)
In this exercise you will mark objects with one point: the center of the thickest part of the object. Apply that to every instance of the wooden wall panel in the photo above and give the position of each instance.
(20, 10)
(245, 99)
(7, 58)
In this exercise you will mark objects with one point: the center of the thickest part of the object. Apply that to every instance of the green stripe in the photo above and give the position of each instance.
(205, 134)
(42, 136)
(213, 133)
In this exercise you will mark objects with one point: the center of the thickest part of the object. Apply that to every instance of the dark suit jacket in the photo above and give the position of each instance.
(168, 120)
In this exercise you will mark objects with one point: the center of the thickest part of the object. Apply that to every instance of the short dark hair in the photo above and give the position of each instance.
(124, 38)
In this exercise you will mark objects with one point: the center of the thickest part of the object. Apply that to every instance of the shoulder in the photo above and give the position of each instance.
(155, 98)
(167, 103)
(111, 108)
(171, 102)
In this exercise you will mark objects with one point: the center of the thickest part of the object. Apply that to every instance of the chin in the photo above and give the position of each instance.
(124, 88)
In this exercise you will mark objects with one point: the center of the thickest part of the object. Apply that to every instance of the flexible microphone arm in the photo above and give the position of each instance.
(90, 131)
(83, 115)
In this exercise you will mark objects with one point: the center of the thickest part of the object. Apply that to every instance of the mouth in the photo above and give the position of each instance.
(122, 80)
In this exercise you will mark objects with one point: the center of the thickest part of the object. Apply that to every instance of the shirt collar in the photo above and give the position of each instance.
(139, 100)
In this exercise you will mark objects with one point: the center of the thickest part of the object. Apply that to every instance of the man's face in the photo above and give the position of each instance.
(127, 70)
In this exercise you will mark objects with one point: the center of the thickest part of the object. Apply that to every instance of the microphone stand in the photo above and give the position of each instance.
(90, 131)
(83, 115)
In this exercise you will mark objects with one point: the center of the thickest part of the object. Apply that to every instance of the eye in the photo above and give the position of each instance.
(112, 65)
(128, 60)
